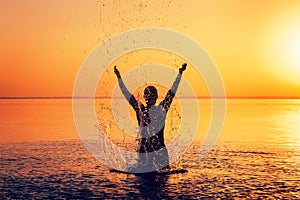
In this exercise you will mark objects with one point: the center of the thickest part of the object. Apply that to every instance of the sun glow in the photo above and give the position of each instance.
(291, 53)
(282, 49)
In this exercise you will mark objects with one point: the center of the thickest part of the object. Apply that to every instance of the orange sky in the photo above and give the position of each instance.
(254, 44)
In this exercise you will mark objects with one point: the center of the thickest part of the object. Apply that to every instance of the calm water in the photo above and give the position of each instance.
(258, 155)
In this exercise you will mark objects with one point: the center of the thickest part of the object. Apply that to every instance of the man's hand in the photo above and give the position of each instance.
(183, 67)
(117, 72)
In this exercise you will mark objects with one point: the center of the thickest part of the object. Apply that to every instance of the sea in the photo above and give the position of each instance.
(256, 155)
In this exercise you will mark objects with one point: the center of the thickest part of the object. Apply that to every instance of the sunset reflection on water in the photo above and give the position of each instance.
(257, 156)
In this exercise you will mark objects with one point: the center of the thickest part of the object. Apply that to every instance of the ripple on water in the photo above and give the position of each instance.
(66, 170)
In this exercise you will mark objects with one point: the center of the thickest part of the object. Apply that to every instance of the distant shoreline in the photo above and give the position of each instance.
(183, 97)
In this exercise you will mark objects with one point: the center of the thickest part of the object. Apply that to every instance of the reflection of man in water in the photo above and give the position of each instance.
(151, 119)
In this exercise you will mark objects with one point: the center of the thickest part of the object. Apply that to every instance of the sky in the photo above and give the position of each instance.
(254, 44)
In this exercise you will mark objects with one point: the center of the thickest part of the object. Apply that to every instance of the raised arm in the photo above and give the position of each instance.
(129, 97)
(166, 103)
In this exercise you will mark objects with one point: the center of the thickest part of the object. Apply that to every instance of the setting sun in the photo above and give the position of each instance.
(293, 53)
(289, 55)
(174, 99)
(282, 46)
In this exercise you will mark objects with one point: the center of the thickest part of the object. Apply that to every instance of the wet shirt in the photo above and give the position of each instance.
(151, 120)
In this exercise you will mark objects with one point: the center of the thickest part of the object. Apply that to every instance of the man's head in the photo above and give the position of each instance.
(150, 95)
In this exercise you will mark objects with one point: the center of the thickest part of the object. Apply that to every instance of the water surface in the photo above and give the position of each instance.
(258, 155)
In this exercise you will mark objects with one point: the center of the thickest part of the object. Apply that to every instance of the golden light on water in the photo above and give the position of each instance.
(286, 124)
(254, 44)
(296, 125)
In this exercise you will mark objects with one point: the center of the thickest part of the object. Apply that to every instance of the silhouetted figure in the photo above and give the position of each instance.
(151, 119)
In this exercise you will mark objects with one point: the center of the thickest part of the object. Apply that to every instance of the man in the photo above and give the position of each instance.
(151, 119)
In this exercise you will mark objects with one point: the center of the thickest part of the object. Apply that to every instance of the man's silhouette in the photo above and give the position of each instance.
(151, 120)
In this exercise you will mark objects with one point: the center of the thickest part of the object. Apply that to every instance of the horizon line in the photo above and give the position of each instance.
(182, 97)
